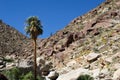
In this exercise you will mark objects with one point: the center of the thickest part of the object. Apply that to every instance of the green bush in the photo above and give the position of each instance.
(85, 77)
(8, 60)
(16, 74)
(28, 76)
(12, 74)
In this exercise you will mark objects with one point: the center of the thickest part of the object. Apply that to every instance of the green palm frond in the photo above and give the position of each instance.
(27, 29)
(34, 27)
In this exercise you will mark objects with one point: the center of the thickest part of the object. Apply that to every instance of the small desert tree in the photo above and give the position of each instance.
(34, 28)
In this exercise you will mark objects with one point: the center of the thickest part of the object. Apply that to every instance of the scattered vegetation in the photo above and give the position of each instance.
(8, 60)
(85, 77)
(16, 74)
(12, 74)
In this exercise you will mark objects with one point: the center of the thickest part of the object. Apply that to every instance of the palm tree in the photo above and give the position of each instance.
(34, 28)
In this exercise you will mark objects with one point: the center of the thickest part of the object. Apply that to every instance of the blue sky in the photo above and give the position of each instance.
(54, 14)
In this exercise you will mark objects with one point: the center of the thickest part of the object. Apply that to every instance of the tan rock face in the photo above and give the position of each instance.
(116, 75)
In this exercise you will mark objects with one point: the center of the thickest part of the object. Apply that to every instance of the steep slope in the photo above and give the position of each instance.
(97, 32)
(92, 30)
(12, 42)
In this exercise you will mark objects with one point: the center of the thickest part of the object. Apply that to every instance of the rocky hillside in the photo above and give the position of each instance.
(12, 42)
(91, 41)
(97, 31)
(89, 44)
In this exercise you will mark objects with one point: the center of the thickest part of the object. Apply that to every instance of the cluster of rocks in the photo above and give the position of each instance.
(44, 69)
(94, 65)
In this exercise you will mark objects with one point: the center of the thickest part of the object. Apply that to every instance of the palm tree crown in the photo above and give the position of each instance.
(33, 27)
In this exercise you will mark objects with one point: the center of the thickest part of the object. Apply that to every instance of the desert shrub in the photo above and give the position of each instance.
(8, 60)
(12, 74)
(18, 74)
(28, 76)
(85, 77)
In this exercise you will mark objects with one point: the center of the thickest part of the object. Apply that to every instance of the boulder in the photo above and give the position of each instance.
(45, 73)
(59, 48)
(1, 66)
(24, 63)
(104, 73)
(116, 75)
(49, 52)
(10, 65)
(43, 67)
(109, 60)
(116, 66)
(92, 57)
(95, 73)
(40, 61)
(78, 35)
(73, 75)
(53, 75)
(71, 63)
(60, 56)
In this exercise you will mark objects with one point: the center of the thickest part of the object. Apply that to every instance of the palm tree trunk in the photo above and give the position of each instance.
(35, 63)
